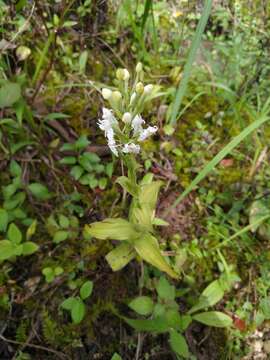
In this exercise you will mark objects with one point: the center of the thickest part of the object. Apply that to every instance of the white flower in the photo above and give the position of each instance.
(131, 148)
(147, 132)
(137, 125)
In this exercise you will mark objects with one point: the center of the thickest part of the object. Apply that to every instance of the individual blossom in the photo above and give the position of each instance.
(145, 133)
(136, 125)
(131, 148)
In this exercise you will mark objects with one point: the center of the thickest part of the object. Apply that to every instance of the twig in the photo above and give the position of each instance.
(39, 347)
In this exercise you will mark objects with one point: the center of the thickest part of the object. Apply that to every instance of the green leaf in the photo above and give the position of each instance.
(86, 289)
(3, 220)
(63, 221)
(147, 247)
(31, 230)
(7, 249)
(9, 94)
(213, 318)
(29, 248)
(102, 183)
(209, 297)
(76, 172)
(143, 305)
(58, 270)
(60, 236)
(82, 142)
(157, 325)
(68, 303)
(165, 290)
(120, 256)
(148, 194)
(92, 157)
(179, 344)
(48, 273)
(77, 311)
(159, 222)
(186, 320)
(14, 234)
(114, 229)
(116, 357)
(68, 160)
(109, 169)
(173, 319)
(127, 185)
(39, 191)
(15, 168)
(83, 61)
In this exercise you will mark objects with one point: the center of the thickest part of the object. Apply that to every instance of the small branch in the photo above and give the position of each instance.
(39, 347)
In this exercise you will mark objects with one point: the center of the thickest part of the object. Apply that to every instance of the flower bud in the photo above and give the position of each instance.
(106, 93)
(139, 88)
(122, 74)
(132, 98)
(127, 118)
(139, 67)
(126, 74)
(148, 89)
(22, 52)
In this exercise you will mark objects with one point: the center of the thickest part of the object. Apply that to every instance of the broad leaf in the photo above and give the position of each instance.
(29, 248)
(86, 289)
(60, 236)
(9, 94)
(157, 325)
(14, 234)
(7, 249)
(148, 195)
(143, 305)
(68, 303)
(77, 311)
(147, 247)
(165, 290)
(209, 297)
(128, 185)
(39, 191)
(120, 256)
(114, 229)
(213, 318)
(179, 344)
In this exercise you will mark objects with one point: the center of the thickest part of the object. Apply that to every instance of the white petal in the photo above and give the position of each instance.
(131, 148)
(147, 132)
(137, 124)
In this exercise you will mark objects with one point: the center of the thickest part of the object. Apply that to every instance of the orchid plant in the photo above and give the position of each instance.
(125, 130)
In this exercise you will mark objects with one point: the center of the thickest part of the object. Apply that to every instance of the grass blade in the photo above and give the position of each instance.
(191, 57)
(264, 116)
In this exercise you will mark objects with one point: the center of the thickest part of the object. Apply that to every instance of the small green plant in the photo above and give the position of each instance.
(51, 273)
(136, 234)
(164, 316)
(63, 227)
(86, 166)
(75, 305)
